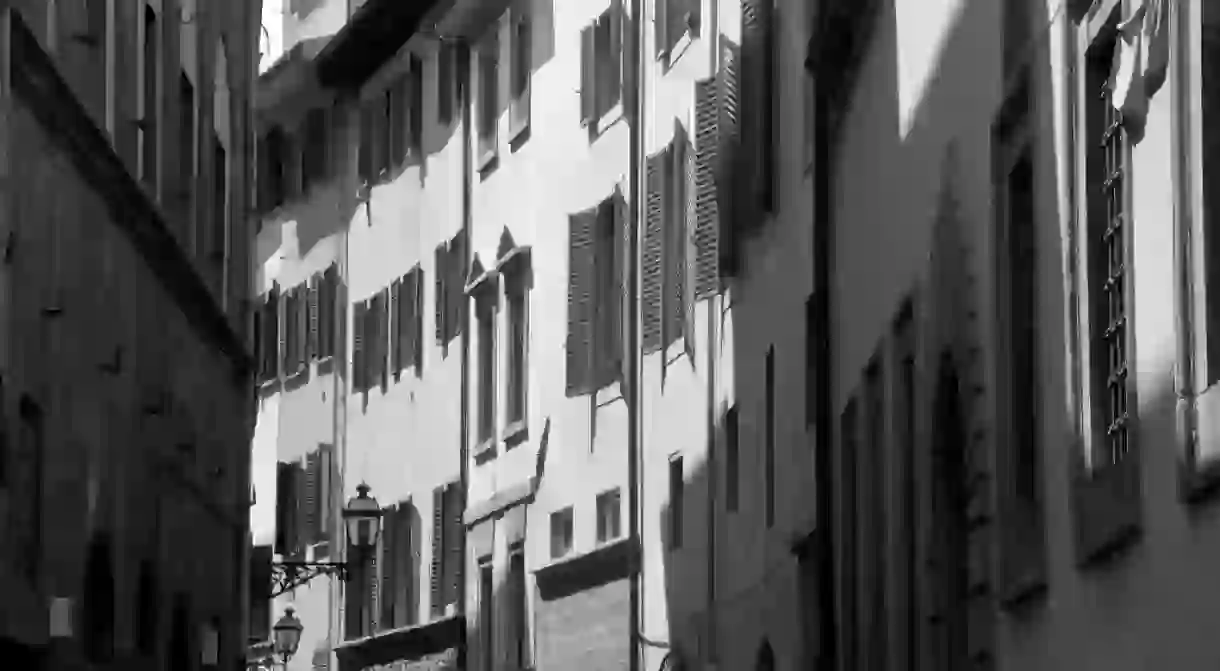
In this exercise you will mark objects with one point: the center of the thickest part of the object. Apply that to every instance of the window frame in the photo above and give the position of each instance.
(564, 533)
(487, 114)
(614, 523)
(1106, 497)
(517, 273)
(486, 310)
(521, 58)
(605, 96)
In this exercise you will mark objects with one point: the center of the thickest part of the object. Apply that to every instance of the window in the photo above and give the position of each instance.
(677, 494)
(758, 99)
(518, 608)
(678, 258)
(609, 512)
(489, 94)
(674, 19)
(327, 284)
(486, 314)
(769, 432)
(314, 167)
(445, 79)
(186, 141)
(522, 45)
(601, 67)
(732, 465)
(447, 531)
(149, 113)
(487, 624)
(406, 327)
(1107, 498)
(561, 532)
(377, 340)
(595, 278)
(516, 303)
(450, 288)
(398, 577)
(287, 542)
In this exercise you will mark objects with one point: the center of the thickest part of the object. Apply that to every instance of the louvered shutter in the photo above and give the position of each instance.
(757, 97)
(398, 121)
(371, 584)
(582, 228)
(728, 163)
(588, 76)
(417, 356)
(415, 119)
(457, 283)
(609, 293)
(707, 219)
(403, 563)
(284, 320)
(312, 492)
(302, 354)
(358, 322)
(326, 477)
(406, 320)
(690, 253)
(283, 504)
(438, 298)
(660, 35)
(396, 304)
(381, 329)
(315, 291)
(300, 534)
(652, 284)
(674, 246)
(454, 530)
(385, 617)
(436, 579)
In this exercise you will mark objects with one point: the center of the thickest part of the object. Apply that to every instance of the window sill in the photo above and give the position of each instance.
(488, 159)
(516, 433)
(611, 117)
(484, 448)
(1106, 508)
(517, 137)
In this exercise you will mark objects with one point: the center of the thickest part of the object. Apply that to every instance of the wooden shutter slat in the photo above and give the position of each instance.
(707, 216)
(588, 77)
(651, 287)
(436, 579)
(579, 345)
(438, 298)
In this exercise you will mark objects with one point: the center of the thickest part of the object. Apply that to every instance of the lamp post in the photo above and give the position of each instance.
(286, 635)
(362, 522)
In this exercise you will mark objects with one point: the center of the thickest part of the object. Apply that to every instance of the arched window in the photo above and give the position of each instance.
(99, 600)
(765, 661)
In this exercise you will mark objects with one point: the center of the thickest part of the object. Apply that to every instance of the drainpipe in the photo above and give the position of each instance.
(823, 404)
(635, 401)
(1183, 242)
(468, 137)
(714, 410)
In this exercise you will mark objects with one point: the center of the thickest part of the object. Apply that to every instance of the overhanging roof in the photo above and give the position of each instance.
(373, 35)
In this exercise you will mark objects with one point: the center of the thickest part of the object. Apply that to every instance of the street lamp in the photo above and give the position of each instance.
(362, 519)
(287, 635)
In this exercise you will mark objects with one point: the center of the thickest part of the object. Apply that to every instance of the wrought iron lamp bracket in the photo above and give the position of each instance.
(289, 575)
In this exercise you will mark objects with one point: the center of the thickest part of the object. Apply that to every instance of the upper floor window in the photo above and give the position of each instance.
(609, 515)
(595, 276)
(522, 62)
(674, 19)
(561, 532)
(407, 322)
(601, 81)
(485, 311)
(488, 74)
(516, 304)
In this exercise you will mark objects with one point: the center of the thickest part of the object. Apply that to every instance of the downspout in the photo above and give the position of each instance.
(634, 352)
(823, 404)
(339, 379)
(468, 140)
(1188, 409)
(714, 409)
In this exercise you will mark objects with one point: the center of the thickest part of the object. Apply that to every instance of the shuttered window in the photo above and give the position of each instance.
(413, 324)
(652, 285)
(707, 214)
(379, 340)
(595, 275)
(674, 19)
(758, 63)
(312, 497)
(438, 297)
(365, 160)
(396, 310)
(290, 483)
(579, 348)
(315, 292)
(327, 311)
(729, 160)
(453, 535)
(601, 85)
(415, 107)
(608, 262)
(359, 322)
(522, 61)
(676, 300)
(396, 113)
(436, 573)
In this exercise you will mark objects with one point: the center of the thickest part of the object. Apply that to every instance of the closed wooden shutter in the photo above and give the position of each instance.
(652, 280)
(707, 217)
(284, 320)
(581, 309)
(283, 502)
(388, 570)
(302, 354)
(454, 531)
(690, 253)
(435, 576)
(312, 494)
(381, 315)
(326, 477)
(365, 158)
(442, 258)
(300, 533)
(353, 602)
(372, 601)
(358, 323)
(415, 115)
(408, 331)
(588, 76)
(396, 305)
(404, 614)
(315, 289)
(728, 163)
(398, 121)
(609, 302)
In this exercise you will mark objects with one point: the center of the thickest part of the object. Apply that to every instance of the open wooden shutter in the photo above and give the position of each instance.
(302, 354)
(297, 509)
(442, 258)
(315, 288)
(358, 322)
(454, 530)
(690, 252)
(728, 164)
(758, 63)
(283, 504)
(588, 76)
(283, 324)
(328, 308)
(608, 299)
(385, 619)
(582, 250)
(312, 492)
(404, 614)
(407, 330)
(674, 244)
(436, 578)
(353, 601)
(260, 355)
(707, 216)
(652, 283)
(326, 476)
(613, 85)
(396, 303)
(456, 283)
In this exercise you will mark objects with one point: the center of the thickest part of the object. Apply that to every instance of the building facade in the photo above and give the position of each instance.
(1020, 332)
(476, 202)
(126, 365)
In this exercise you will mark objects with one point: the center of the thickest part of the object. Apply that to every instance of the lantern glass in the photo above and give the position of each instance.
(287, 632)
(363, 519)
